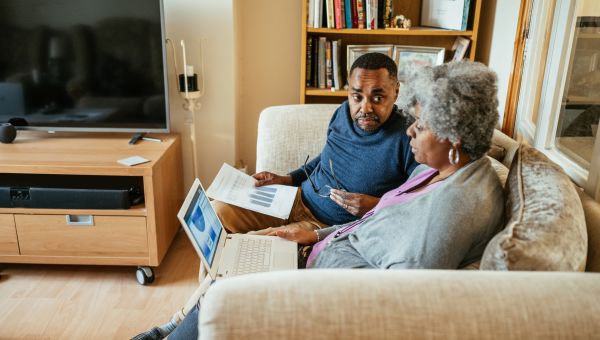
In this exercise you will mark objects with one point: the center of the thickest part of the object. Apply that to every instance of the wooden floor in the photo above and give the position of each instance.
(93, 302)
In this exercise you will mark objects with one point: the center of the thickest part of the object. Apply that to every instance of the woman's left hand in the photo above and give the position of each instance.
(355, 204)
(301, 235)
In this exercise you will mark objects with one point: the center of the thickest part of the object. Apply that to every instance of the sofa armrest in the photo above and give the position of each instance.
(374, 304)
(509, 145)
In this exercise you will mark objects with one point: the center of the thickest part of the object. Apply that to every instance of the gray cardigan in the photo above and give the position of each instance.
(445, 228)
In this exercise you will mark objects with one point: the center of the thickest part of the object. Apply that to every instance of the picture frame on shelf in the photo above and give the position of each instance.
(410, 56)
(445, 14)
(460, 48)
(355, 51)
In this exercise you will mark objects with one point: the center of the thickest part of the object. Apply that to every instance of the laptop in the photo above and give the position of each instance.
(226, 255)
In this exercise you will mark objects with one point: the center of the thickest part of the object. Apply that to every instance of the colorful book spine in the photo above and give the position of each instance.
(368, 14)
(465, 17)
(337, 10)
(337, 67)
(354, 14)
(330, 14)
(315, 68)
(309, 61)
(343, 11)
(329, 65)
(311, 13)
(374, 12)
(360, 10)
(348, 12)
(387, 20)
(322, 63)
(380, 13)
(318, 13)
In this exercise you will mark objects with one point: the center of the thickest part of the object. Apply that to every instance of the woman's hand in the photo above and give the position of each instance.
(355, 204)
(303, 235)
(266, 178)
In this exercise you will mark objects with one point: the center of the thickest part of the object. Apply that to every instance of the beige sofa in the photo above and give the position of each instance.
(397, 304)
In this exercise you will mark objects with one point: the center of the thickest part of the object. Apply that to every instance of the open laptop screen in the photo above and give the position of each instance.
(204, 225)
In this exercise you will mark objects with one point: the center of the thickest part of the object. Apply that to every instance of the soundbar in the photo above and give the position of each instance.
(70, 192)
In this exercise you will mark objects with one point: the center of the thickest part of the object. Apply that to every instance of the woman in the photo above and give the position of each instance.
(445, 214)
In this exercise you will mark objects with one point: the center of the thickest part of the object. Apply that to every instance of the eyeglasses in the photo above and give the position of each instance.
(323, 191)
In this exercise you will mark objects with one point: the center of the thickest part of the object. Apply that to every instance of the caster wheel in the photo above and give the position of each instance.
(144, 275)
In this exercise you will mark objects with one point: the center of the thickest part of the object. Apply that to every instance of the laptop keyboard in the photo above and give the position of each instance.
(254, 255)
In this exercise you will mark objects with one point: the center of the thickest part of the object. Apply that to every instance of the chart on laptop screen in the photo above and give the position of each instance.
(204, 225)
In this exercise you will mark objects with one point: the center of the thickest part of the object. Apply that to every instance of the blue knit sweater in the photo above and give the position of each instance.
(369, 163)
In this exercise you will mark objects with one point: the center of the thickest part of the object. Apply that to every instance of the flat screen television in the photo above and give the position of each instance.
(83, 65)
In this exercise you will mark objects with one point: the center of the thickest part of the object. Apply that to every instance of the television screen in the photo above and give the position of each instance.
(83, 65)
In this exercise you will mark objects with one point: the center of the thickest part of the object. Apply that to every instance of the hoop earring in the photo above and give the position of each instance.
(453, 156)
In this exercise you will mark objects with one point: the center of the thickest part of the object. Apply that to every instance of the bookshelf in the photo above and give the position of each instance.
(415, 36)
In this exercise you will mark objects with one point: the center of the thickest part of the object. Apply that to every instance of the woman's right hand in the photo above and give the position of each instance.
(303, 236)
(266, 178)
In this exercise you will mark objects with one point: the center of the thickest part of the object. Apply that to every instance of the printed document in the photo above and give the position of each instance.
(234, 187)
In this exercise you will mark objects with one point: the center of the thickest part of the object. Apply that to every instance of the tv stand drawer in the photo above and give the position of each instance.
(8, 236)
(82, 235)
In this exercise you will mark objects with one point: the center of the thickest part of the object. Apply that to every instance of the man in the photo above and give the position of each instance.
(367, 153)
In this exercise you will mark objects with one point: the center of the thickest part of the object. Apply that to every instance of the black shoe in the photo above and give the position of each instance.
(152, 334)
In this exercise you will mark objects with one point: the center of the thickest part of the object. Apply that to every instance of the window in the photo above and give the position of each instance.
(559, 103)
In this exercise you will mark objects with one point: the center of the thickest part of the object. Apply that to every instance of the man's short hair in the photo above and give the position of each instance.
(375, 61)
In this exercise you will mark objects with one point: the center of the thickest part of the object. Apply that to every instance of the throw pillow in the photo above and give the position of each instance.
(496, 152)
(546, 224)
(500, 169)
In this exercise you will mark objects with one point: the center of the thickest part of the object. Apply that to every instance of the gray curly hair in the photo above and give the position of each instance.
(458, 102)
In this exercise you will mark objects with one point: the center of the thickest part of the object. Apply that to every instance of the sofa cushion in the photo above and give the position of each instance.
(503, 146)
(501, 170)
(402, 304)
(288, 133)
(496, 152)
(546, 225)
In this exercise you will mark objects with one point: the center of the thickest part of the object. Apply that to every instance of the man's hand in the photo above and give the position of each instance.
(266, 178)
(302, 235)
(355, 204)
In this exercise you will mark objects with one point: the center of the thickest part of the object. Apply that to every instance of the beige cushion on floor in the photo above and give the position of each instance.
(546, 226)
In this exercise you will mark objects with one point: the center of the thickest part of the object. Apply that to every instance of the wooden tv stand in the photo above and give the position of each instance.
(137, 236)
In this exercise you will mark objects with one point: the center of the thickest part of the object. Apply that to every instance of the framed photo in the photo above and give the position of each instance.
(355, 51)
(460, 48)
(447, 14)
(407, 57)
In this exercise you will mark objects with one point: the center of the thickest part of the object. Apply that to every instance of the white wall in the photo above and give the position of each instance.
(212, 20)
(268, 41)
(501, 45)
(252, 60)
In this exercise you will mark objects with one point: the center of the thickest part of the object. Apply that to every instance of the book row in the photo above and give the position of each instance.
(324, 68)
(366, 14)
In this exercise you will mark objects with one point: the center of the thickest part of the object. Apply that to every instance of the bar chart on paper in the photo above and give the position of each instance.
(237, 188)
(263, 196)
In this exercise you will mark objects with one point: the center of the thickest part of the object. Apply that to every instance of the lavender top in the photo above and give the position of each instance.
(392, 197)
